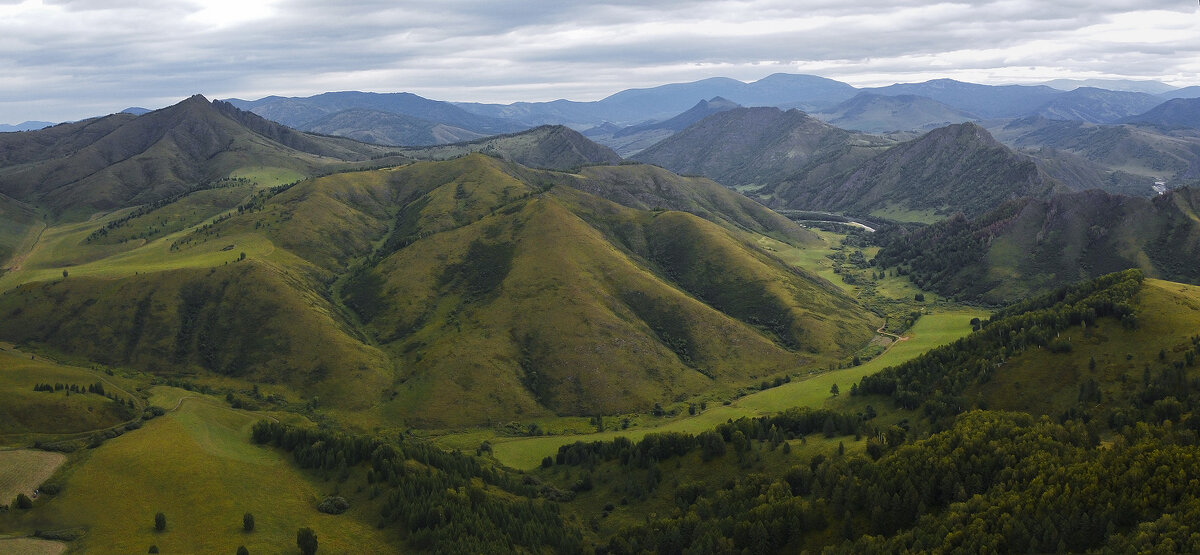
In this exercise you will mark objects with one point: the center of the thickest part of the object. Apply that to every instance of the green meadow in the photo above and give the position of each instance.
(197, 465)
(930, 331)
(27, 415)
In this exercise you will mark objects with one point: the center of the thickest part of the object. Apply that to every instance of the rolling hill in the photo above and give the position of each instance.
(446, 293)
(1034, 245)
(122, 160)
(955, 168)
(548, 147)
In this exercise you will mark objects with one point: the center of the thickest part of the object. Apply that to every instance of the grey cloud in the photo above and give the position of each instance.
(89, 53)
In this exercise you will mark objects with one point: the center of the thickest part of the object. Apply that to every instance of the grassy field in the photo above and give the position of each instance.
(26, 415)
(23, 470)
(199, 468)
(265, 176)
(931, 331)
(898, 214)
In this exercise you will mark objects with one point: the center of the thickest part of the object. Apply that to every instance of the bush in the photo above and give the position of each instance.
(24, 502)
(242, 550)
(160, 522)
(153, 549)
(248, 522)
(306, 540)
(333, 505)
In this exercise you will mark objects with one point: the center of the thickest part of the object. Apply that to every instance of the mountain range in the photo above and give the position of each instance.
(363, 287)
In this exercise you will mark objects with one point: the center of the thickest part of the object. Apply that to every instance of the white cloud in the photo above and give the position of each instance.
(76, 58)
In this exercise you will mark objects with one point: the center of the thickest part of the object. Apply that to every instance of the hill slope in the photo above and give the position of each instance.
(755, 147)
(1143, 153)
(455, 292)
(123, 160)
(549, 146)
(1030, 246)
(1178, 112)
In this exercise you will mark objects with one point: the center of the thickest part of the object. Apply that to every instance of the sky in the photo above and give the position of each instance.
(63, 60)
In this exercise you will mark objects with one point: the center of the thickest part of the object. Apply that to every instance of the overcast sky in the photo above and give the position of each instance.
(69, 59)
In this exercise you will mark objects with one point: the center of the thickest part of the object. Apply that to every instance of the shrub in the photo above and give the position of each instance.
(333, 505)
(24, 502)
(160, 521)
(248, 522)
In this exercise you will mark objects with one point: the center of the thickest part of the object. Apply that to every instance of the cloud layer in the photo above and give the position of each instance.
(68, 59)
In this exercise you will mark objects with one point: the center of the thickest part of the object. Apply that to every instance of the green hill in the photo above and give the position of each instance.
(1029, 246)
(467, 291)
(123, 160)
(553, 147)
(955, 168)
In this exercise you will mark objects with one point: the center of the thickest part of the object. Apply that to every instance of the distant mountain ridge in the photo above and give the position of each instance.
(760, 147)
(630, 140)
(554, 147)
(874, 113)
(1178, 112)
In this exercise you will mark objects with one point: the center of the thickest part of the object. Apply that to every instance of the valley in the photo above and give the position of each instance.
(760, 333)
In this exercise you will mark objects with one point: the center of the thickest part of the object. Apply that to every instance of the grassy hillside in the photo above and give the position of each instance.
(1031, 246)
(204, 483)
(362, 288)
(552, 147)
(954, 168)
(121, 160)
(245, 320)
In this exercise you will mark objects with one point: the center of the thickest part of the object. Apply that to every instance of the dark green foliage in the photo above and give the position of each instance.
(306, 540)
(248, 522)
(935, 379)
(482, 269)
(791, 423)
(160, 521)
(153, 549)
(333, 505)
(946, 256)
(363, 293)
(23, 501)
(429, 493)
(241, 550)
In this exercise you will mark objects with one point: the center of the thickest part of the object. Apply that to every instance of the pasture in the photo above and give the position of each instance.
(197, 466)
(814, 391)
